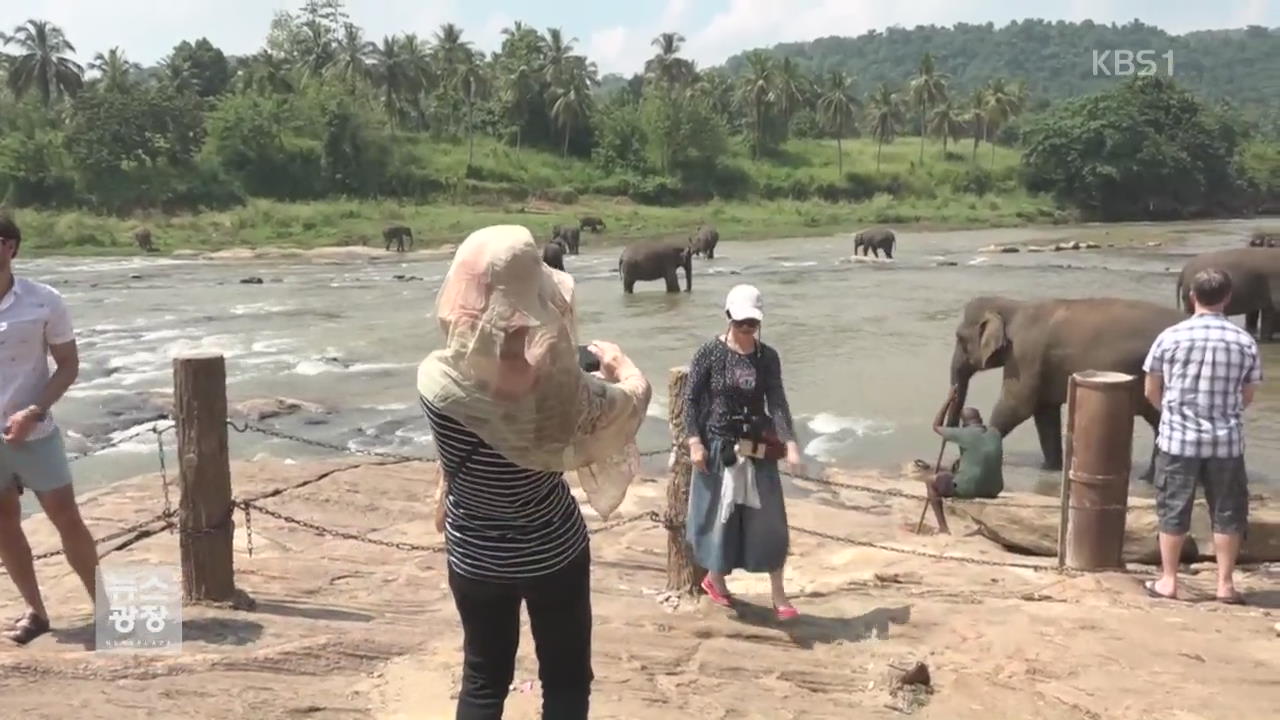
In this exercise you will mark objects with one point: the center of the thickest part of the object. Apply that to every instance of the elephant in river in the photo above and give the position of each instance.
(1255, 285)
(592, 223)
(874, 241)
(142, 236)
(1261, 238)
(553, 254)
(705, 241)
(571, 237)
(1040, 344)
(656, 261)
(397, 234)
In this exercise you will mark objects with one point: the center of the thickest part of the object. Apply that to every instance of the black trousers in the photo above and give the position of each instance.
(559, 606)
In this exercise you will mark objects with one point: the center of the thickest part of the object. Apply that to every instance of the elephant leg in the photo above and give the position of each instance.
(1012, 409)
(628, 283)
(673, 281)
(1267, 321)
(1251, 323)
(1049, 427)
(711, 253)
(888, 253)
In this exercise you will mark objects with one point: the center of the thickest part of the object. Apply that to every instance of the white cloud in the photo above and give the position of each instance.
(625, 50)
(606, 47)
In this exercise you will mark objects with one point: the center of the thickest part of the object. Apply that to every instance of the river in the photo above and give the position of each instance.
(865, 346)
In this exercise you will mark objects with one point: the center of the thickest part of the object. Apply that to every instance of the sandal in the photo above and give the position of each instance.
(1236, 599)
(786, 613)
(1150, 587)
(725, 599)
(28, 627)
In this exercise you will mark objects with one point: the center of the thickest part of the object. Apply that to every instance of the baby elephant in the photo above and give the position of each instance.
(142, 236)
(397, 234)
(570, 237)
(873, 241)
(592, 223)
(1264, 239)
(553, 254)
(705, 241)
(656, 262)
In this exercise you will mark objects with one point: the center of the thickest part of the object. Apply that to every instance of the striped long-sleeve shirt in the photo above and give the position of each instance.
(502, 522)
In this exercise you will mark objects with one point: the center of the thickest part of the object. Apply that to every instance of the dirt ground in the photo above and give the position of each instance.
(344, 629)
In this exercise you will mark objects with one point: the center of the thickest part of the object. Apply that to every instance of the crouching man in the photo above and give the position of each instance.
(979, 472)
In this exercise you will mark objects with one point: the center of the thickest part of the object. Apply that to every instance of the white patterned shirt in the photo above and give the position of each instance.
(1204, 361)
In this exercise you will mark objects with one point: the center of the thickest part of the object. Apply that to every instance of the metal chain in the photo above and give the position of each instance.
(329, 532)
(247, 427)
(127, 530)
(651, 515)
(122, 440)
(164, 476)
(930, 555)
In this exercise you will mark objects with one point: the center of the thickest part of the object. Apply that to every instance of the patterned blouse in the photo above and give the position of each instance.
(722, 381)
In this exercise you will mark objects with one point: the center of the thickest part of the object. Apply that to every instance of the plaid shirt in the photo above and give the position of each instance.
(1204, 361)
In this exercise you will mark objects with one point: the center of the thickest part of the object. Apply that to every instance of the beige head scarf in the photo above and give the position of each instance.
(509, 368)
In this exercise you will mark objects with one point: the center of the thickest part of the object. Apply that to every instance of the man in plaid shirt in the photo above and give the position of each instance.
(1202, 374)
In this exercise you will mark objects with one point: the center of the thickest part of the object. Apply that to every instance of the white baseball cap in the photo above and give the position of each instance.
(744, 302)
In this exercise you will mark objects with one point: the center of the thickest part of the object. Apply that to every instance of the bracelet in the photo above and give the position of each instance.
(39, 413)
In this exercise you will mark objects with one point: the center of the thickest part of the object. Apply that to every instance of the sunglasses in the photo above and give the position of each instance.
(748, 323)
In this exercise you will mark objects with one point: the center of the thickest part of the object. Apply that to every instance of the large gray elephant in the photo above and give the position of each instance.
(1040, 344)
(553, 254)
(654, 262)
(1255, 285)
(705, 241)
(875, 241)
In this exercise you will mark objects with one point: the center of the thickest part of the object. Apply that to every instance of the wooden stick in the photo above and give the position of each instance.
(937, 466)
(1068, 442)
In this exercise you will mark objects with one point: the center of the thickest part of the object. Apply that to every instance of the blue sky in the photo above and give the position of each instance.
(615, 36)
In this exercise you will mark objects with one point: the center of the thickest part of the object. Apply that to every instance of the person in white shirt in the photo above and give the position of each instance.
(34, 325)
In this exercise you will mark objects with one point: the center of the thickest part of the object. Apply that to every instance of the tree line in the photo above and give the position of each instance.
(321, 110)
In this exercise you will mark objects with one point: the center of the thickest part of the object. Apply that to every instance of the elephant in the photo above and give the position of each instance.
(397, 234)
(875, 241)
(652, 262)
(571, 237)
(1255, 285)
(592, 223)
(1040, 344)
(1261, 238)
(142, 236)
(705, 241)
(553, 254)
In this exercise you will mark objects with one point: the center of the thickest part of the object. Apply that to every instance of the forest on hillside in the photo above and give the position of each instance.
(1055, 58)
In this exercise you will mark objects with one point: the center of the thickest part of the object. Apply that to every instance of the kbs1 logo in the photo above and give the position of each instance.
(1123, 63)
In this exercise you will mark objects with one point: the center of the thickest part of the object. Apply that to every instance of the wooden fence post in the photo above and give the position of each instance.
(206, 525)
(683, 574)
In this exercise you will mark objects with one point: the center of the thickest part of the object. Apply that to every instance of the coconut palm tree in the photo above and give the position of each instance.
(884, 117)
(114, 69)
(556, 54)
(472, 84)
(791, 88)
(264, 72)
(571, 99)
(928, 88)
(667, 67)
(518, 93)
(392, 77)
(946, 121)
(421, 75)
(756, 95)
(977, 115)
(352, 57)
(42, 63)
(1002, 106)
(449, 55)
(838, 109)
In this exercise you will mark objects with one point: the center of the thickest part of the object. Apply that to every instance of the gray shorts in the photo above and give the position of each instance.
(1226, 488)
(40, 465)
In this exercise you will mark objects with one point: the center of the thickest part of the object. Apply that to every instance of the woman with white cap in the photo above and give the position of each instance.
(511, 410)
(738, 426)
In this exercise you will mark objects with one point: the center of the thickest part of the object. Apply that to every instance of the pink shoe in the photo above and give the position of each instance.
(786, 613)
(709, 588)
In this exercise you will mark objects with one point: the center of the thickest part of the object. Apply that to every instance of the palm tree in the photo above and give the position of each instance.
(42, 63)
(113, 70)
(756, 94)
(837, 106)
(977, 118)
(885, 114)
(352, 57)
(790, 89)
(667, 67)
(556, 54)
(519, 90)
(571, 100)
(264, 72)
(316, 50)
(948, 122)
(392, 77)
(472, 84)
(421, 76)
(1002, 106)
(928, 88)
(450, 55)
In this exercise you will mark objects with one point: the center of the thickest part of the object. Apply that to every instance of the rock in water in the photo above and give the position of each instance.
(251, 281)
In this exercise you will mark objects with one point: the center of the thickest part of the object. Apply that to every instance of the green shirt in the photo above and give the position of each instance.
(981, 458)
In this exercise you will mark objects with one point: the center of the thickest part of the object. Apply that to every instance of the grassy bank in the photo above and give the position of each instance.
(539, 190)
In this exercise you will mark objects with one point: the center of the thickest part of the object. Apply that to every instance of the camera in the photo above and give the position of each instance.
(587, 360)
(743, 425)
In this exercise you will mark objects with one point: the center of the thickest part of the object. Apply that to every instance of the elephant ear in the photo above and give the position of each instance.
(991, 337)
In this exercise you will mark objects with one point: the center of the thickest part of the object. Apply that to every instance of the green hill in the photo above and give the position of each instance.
(1241, 66)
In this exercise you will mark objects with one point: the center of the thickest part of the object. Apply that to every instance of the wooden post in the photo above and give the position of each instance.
(205, 521)
(683, 574)
(1068, 452)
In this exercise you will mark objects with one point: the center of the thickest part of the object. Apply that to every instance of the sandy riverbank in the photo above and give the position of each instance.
(350, 630)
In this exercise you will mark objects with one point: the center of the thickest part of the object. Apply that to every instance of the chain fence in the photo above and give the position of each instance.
(167, 519)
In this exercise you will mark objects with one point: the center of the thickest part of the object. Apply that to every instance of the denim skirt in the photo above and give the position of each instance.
(752, 539)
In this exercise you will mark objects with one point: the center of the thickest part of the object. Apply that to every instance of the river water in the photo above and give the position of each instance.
(865, 346)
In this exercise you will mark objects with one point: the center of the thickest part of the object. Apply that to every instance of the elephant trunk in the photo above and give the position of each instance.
(961, 371)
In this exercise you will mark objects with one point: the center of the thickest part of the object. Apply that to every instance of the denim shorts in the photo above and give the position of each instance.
(40, 465)
(1226, 488)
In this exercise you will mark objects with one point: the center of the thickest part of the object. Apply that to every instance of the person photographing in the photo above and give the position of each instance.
(738, 425)
(511, 410)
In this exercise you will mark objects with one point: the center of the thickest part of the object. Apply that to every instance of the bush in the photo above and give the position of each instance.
(657, 190)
